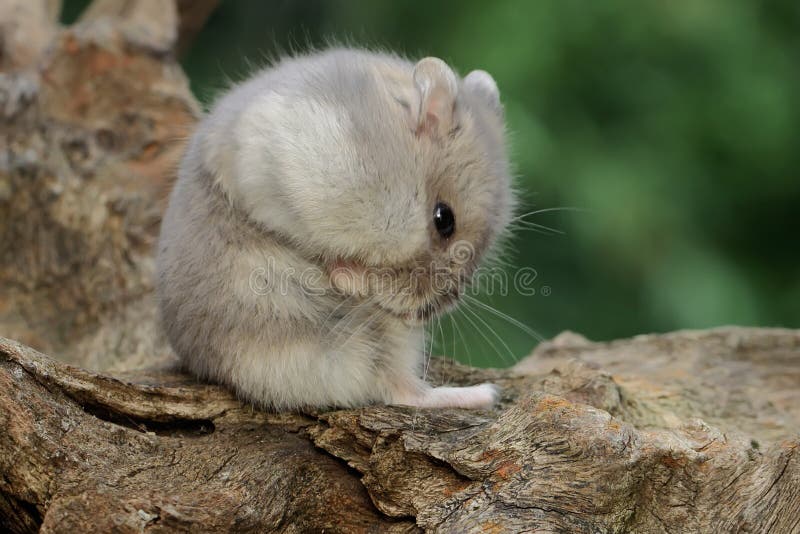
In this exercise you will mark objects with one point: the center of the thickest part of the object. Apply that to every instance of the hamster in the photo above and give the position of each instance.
(324, 210)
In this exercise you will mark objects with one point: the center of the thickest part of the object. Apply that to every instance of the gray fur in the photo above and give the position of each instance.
(330, 163)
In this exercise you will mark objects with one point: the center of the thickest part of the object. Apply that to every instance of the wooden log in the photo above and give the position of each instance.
(89, 452)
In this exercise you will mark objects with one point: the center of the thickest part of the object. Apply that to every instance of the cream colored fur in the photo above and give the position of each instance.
(325, 162)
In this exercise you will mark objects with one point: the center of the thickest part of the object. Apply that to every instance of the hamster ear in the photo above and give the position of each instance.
(481, 83)
(438, 88)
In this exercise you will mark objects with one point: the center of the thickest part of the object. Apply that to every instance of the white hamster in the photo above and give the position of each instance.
(324, 210)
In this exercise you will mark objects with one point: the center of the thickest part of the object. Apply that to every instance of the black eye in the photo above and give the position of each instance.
(444, 220)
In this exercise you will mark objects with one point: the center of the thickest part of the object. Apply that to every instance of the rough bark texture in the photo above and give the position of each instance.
(91, 119)
(573, 448)
(687, 432)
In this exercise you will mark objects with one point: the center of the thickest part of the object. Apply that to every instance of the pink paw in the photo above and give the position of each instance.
(480, 396)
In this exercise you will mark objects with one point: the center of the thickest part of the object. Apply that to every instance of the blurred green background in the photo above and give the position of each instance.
(675, 125)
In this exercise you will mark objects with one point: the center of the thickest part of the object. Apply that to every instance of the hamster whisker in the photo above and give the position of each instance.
(457, 327)
(427, 350)
(484, 336)
(343, 325)
(443, 348)
(545, 210)
(344, 301)
(542, 229)
(432, 327)
(453, 331)
(371, 319)
(426, 360)
(494, 332)
(494, 311)
(448, 356)
(360, 323)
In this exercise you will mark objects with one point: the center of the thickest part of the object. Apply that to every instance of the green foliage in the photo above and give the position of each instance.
(674, 124)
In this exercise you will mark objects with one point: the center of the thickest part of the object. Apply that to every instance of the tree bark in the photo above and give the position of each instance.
(572, 449)
(686, 432)
(91, 122)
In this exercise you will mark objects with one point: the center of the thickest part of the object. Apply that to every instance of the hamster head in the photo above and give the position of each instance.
(392, 176)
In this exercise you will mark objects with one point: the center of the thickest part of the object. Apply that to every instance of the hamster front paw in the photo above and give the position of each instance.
(480, 396)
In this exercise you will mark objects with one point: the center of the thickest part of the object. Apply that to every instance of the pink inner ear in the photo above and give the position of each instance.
(429, 125)
(436, 114)
(437, 86)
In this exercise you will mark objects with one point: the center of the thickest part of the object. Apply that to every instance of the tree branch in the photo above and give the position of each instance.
(90, 451)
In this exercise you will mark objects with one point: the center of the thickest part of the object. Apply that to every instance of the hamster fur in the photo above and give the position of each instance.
(301, 181)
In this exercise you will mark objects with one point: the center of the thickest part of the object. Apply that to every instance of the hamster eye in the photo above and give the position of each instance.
(444, 219)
